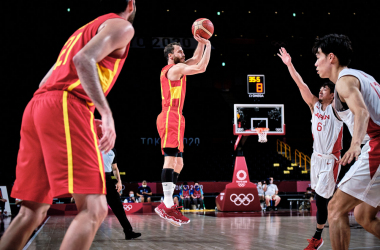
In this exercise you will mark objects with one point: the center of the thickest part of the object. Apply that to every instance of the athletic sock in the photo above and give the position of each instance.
(318, 234)
(175, 179)
(167, 186)
(168, 194)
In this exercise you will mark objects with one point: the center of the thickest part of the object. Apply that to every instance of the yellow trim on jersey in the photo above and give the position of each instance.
(175, 92)
(106, 75)
(74, 85)
(166, 126)
(68, 144)
(162, 92)
(170, 89)
(179, 115)
(101, 170)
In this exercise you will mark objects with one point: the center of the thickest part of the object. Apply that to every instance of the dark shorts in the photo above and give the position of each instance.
(174, 152)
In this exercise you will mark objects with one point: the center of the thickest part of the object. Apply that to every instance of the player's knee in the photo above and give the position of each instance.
(178, 167)
(363, 219)
(142, 199)
(148, 199)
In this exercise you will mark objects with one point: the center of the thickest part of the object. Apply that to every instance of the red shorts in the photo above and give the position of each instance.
(171, 127)
(59, 153)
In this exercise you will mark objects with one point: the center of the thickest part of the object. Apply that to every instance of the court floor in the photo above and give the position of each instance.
(270, 230)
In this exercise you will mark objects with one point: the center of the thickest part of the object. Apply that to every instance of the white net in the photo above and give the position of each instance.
(262, 133)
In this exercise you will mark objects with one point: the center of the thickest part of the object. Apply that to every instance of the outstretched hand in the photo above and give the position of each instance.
(285, 57)
(201, 40)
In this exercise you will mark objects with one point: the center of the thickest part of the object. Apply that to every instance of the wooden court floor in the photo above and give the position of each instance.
(271, 230)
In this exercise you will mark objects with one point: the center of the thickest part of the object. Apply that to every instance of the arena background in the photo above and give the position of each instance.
(248, 35)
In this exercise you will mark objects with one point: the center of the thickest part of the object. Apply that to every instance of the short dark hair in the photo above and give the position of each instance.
(329, 84)
(196, 182)
(114, 6)
(144, 180)
(339, 45)
(185, 183)
(169, 49)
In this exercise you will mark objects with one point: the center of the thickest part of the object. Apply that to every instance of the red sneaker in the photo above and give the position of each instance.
(173, 215)
(314, 244)
(183, 219)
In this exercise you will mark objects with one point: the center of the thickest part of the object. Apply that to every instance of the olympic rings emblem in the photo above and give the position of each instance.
(127, 207)
(241, 172)
(242, 199)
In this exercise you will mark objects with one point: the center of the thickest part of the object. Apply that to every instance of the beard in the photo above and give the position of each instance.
(177, 60)
(131, 18)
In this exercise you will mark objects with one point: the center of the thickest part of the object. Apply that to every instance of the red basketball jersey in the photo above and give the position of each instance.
(172, 92)
(65, 76)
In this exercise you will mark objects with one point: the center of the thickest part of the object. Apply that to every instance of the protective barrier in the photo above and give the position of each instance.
(284, 149)
(241, 194)
(302, 160)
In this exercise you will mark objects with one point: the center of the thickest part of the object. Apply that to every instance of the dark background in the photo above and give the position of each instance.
(249, 34)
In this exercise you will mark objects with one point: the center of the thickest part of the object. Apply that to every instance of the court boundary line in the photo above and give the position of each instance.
(35, 235)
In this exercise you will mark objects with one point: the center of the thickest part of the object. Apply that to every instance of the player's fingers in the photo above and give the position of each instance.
(279, 55)
(350, 158)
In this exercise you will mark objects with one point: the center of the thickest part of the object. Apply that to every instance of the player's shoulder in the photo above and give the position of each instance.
(347, 81)
(179, 66)
(116, 25)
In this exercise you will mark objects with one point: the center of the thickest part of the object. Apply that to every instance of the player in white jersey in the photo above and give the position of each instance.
(327, 131)
(360, 187)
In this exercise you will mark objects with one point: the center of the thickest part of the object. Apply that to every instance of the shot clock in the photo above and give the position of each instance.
(256, 85)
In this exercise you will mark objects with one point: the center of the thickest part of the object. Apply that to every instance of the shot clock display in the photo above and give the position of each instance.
(256, 85)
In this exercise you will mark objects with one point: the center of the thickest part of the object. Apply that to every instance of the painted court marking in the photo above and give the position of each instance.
(35, 235)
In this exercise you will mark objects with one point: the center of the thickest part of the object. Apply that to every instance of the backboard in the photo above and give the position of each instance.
(247, 117)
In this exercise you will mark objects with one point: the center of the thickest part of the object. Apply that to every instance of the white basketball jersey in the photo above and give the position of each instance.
(327, 130)
(370, 90)
(348, 118)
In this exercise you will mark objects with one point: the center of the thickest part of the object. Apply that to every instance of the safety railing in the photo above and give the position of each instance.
(284, 149)
(302, 160)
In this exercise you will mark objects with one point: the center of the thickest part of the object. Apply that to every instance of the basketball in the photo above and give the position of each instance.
(203, 27)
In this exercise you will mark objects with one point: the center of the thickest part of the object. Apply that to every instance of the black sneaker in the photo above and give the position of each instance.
(129, 235)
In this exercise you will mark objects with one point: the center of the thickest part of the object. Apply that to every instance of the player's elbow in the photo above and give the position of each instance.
(364, 114)
(80, 59)
(202, 69)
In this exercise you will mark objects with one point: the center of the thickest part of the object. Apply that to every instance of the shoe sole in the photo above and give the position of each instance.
(174, 223)
(320, 244)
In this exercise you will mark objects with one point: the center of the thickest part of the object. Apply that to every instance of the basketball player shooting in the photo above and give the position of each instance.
(360, 187)
(59, 152)
(171, 123)
(327, 131)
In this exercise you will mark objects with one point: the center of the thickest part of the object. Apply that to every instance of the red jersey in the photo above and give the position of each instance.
(172, 92)
(65, 76)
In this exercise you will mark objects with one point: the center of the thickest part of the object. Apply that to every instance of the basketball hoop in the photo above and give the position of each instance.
(262, 133)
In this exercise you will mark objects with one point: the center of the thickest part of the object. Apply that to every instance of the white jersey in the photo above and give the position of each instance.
(327, 130)
(348, 118)
(370, 90)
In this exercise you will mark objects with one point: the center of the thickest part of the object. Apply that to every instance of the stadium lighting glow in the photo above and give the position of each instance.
(218, 13)
(68, 9)
(294, 14)
(223, 64)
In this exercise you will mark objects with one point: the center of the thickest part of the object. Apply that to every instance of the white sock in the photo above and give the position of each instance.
(167, 187)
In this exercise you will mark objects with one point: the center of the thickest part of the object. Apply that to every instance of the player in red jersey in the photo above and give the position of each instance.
(171, 123)
(59, 152)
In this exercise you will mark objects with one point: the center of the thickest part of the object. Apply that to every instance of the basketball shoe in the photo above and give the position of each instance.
(314, 244)
(173, 215)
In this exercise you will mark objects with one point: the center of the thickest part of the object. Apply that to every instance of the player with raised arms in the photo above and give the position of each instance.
(327, 129)
(59, 151)
(171, 123)
(360, 187)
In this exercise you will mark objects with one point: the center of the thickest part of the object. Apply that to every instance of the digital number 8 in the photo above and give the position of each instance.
(259, 88)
